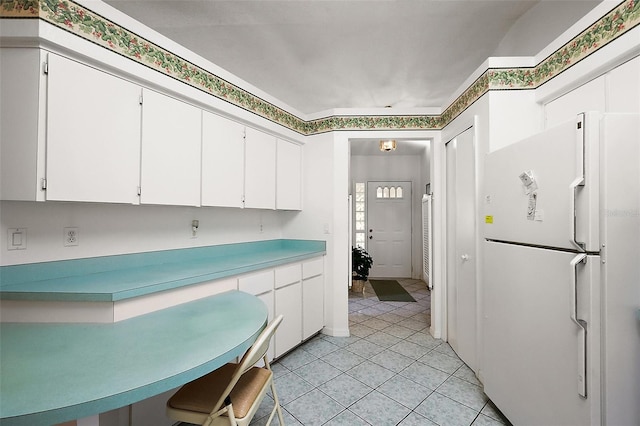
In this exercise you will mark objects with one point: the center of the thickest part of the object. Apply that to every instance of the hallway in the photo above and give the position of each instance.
(390, 371)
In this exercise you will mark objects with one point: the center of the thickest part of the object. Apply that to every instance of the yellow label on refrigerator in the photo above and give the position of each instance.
(488, 219)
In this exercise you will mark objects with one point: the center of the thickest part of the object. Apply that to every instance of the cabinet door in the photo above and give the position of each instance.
(222, 161)
(171, 142)
(260, 284)
(22, 125)
(260, 170)
(289, 304)
(312, 306)
(256, 283)
(93, 134)
(288, 176)
(267, 299)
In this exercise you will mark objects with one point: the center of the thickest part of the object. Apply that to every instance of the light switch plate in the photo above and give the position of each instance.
(17, 239)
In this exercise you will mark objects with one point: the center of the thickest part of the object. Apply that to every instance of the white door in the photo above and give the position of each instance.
(389, 228)
(461, 252)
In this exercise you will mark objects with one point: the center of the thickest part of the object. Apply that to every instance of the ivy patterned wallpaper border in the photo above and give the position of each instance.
(86, 24)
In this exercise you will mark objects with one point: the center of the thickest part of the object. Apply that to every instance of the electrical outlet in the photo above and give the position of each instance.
(71, 237)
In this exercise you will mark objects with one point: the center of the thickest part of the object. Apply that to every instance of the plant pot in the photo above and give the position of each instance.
(357, 286)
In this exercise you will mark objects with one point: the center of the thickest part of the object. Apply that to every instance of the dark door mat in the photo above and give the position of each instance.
(390, 291)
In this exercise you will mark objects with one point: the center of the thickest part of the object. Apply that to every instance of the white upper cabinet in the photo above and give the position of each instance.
(260, 170)
(93, 134)
(288, 176)
(222, 161)
(171, 143)
(22, 126)
(75, 130)
(72, 132)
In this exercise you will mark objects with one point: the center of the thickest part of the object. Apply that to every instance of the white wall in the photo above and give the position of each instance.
(106, 229)
(525, 37)
(324, 203)
(366, 168)
(615, 91)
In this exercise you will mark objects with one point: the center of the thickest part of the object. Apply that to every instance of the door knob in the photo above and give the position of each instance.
(464, 257)
(371, 237)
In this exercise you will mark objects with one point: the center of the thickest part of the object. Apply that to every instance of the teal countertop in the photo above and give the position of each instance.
(53, 373)
(119, 277)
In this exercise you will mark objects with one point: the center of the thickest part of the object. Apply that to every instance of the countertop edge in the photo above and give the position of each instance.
(185, 278)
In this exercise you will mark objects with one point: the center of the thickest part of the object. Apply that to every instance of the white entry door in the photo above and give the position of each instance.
(389, 228)
(461, 252)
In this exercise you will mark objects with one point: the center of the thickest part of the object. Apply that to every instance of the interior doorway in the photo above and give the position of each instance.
(389, 228)
(461, 294)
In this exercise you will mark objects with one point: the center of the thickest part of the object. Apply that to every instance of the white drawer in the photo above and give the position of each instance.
(312, 268)
(258, 283)
(288, 274)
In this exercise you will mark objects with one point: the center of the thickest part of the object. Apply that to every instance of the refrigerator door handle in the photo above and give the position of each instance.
(582, 325)
(579, 181)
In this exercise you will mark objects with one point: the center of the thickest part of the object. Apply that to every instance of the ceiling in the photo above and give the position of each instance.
(316, 55)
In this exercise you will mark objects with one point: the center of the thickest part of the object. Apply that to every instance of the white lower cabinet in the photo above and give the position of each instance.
(312, 306)
(312, 297)
(288, 302)
(148, 412)
(260, 285)
(296, 291)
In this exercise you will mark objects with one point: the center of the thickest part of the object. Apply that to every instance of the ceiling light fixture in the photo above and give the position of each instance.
(388, 145)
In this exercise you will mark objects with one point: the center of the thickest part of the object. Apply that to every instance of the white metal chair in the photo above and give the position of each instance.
(231, 394)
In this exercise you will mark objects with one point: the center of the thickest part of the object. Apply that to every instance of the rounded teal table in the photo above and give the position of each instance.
(51, 373)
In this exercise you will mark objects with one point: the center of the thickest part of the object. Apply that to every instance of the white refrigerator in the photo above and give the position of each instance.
(561, 283)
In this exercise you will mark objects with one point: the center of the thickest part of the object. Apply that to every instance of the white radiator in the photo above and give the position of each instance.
(426, 241)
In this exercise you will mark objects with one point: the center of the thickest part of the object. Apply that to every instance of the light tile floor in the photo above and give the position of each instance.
(390, 371)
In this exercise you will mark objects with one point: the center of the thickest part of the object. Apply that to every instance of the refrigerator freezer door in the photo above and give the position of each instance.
(538, 368)
(534, 186)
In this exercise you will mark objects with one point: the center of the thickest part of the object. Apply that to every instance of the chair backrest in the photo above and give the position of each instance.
(260, 346)
(252, 356)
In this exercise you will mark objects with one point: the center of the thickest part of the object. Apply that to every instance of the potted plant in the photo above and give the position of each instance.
(361, 264)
